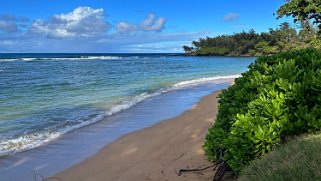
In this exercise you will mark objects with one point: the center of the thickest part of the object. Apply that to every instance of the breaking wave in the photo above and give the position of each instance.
(70, 58)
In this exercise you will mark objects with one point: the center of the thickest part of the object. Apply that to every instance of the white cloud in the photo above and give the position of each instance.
(123, 27)
(231, 16)
(152, 24)
(149, 24)
(81, 22)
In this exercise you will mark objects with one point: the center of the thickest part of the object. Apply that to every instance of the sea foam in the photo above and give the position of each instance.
(205, 80)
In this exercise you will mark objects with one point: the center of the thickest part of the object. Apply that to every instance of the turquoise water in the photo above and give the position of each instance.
(43, 96)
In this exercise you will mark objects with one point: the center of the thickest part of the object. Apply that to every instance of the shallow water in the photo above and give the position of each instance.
(79, 144)
(44, 96)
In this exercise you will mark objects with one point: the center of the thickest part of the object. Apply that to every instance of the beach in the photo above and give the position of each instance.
(81, 144)
(156, 152)
(67, 111)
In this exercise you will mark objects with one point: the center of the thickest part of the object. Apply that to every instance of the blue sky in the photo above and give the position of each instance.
(126, 25)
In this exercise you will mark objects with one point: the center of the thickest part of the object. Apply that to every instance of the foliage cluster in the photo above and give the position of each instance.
(302, 10)
(254, 44)
(279, 96)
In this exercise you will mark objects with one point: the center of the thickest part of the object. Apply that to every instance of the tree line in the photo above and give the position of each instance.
(307, 13)
(250, 43)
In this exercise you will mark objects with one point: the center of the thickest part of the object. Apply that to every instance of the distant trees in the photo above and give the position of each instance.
(251, 43)
(276, 40)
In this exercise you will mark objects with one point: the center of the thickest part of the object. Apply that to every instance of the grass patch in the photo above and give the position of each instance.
(297, 160)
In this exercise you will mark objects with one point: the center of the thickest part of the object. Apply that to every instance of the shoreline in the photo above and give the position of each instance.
(77, 146)
(214, 55)
(30, 141)
(156, 152)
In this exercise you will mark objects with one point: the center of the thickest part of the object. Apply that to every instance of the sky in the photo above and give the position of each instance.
(126, 26)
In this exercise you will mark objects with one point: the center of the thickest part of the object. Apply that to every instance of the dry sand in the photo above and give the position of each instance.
(154, 153)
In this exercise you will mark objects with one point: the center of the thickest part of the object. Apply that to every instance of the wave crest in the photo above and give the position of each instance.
(205, 80)
(70, 58)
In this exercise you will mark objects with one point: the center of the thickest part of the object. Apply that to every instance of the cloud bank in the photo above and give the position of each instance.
(85, 29)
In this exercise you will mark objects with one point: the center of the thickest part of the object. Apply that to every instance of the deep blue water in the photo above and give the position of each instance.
(43, 96)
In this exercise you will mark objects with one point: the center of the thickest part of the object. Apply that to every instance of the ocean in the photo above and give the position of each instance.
(44, 96)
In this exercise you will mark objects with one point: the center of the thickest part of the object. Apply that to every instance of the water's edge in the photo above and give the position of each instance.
(32, 141)
(72, 148)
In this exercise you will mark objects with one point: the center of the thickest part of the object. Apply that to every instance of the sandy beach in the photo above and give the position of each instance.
(154, 153)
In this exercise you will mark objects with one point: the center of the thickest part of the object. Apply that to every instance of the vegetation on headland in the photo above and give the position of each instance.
(274, 41)
(256, 44)
(298, 160)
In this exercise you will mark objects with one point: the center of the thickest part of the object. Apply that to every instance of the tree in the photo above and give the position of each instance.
(302, 10)
(188, 49)
(307, 32)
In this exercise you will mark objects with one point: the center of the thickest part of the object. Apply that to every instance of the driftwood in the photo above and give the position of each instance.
(220, 168)
(180, 171)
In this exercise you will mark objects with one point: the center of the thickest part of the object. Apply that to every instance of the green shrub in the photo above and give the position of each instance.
(278, 96)
(213, 51)
(251, 52)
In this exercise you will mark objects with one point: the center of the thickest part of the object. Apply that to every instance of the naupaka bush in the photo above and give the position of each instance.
(278, 96)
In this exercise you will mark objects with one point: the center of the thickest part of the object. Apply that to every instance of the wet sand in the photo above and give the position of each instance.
(154, 153)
